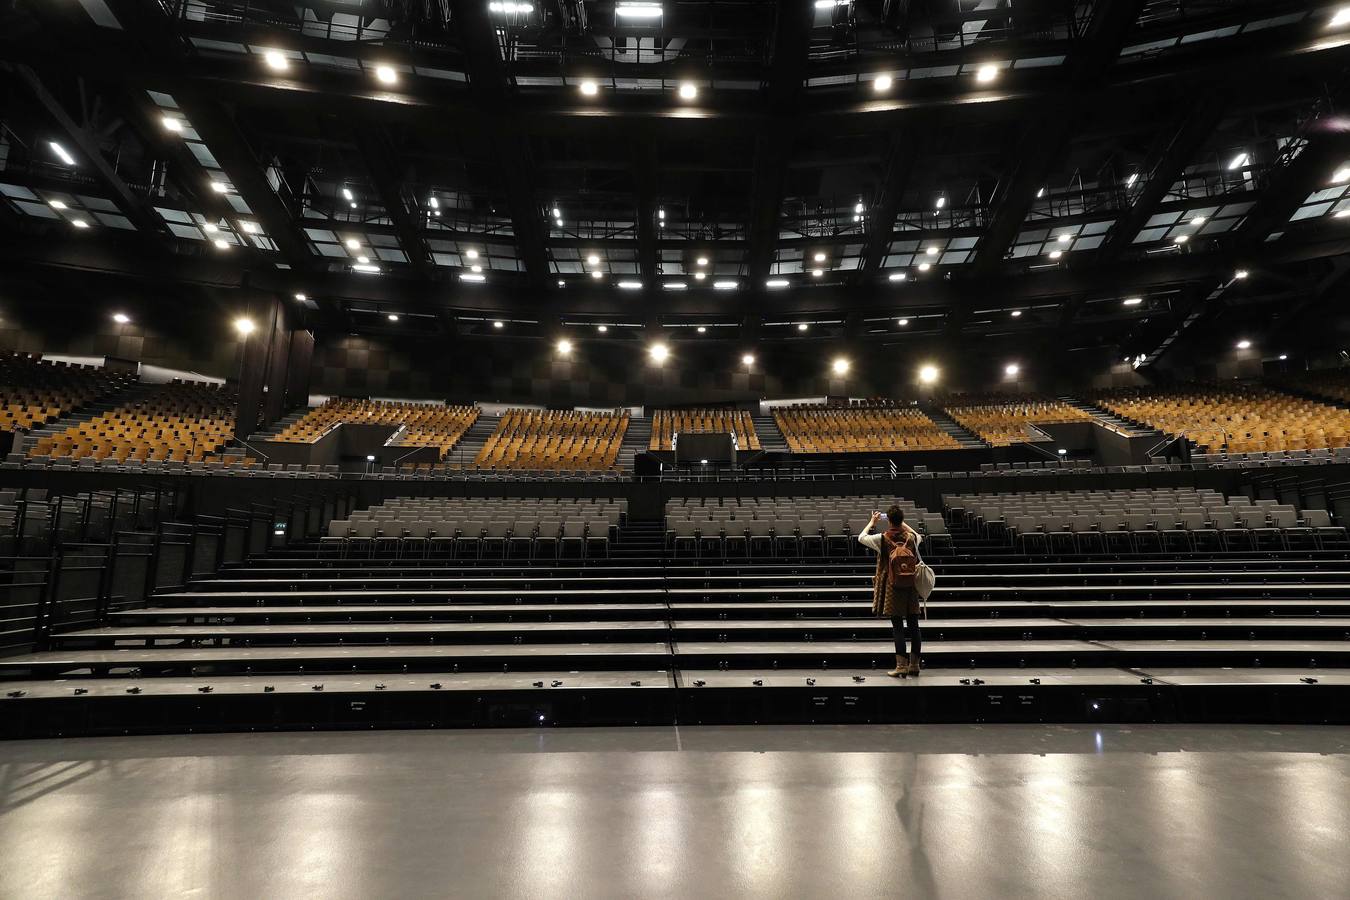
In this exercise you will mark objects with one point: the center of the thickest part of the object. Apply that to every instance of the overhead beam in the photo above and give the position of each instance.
(645, 167)
(380, 158)
(907, 147)
(773, 147)
(1286, 188)
(489, 87)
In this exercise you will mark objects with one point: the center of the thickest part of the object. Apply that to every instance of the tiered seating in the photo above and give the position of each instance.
(669, 422)
(181, 422)
(34, 391)
(1003, 420)
(794, 525)
(1142, 520)
(854, 429)
(427, 425)
(455, 527)
(529, 439)
(1235, 418)
(1333, 384)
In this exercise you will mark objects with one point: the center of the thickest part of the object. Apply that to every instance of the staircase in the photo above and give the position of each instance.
(771, 440)
(637, 439)
(966, 438)
(1108, 418)
(639, 540)
(88, 412)
(270, 432)
(467, 447)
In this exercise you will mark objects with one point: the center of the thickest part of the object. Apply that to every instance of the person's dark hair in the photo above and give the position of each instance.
(895, 515)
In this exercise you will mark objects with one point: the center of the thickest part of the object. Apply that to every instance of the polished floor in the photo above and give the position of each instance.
(836, 812)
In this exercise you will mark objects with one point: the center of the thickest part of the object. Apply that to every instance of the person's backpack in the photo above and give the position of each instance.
(901, 562)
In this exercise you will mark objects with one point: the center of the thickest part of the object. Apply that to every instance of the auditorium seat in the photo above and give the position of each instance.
(1002, 420)
(423, 424)
(553, 441)
(667, 423)
(35, 391)
(860, 429)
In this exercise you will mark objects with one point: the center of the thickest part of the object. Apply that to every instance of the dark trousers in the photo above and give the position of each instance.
(906, 622)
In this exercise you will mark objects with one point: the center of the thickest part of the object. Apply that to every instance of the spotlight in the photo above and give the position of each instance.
(840, 366)
(221, 243)
(1183, 238)
(353, 244)
(276, 61)
(219, 187)
(592, 260)
(386, 74)
(590, 88)
(802, 326)
(56, 204)
(370, 457)
(1240, 274)
(564, 347)
(1011, 370)
(986, 74)
(1133, 301)
(1064, 238)
(1340, 17)
(1283, 357)
(1244, 345)
(597, 274)
(365, 261)
(932, 251)
(816, 273)
(62, 153)
(244, 326)
(748, 359)
(724, 285)
(924, 267)
(776, 283)
(699, 276)
(881, 83)
(79, 223)
(902, 322)
(928, 374)
(471, 254)
(1016, 313)
(210, 227)
(1198, 221)
(1056, 254)
(702, 330)
(172, 124)
(602, 328)
(897, 276)
(702, 260)
(121, 318)
(659, 353)
(393, 317)
(301, 298)
(498, 323)
(250, 227)
(820, 257)
(688, 91)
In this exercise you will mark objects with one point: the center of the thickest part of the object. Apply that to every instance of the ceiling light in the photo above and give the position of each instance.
(816, 273)
(276, 60)
(244, 326)
(597, 275)
(1016, 313)
(1198, 221)
(561, 283)
(701, 330)
(858, 207)
(1341, 214)
(660, 213)
(924, 267)
(1064, 238)
(630, 285)
(1283, 357)
(249, 227)
(902, 322)
(985, 74)
(840, 366)
(1342, 174)
(748, 359)
(638, 10)
(173, 124)
(353, 244)
(1040, 193)
(475, 269)
(1129, 182)
(301, 298)
(724, 285)
(881, 83)
(688, 91)
(1240, 274)
(1244, 345)
(699, 276)
(353, 205)
(347, 194)
(1183, 238)
(602, 328)
(776, 283)
(897, 276)
(941, 202)
(1340, 17)
(363, 260)
(1011, 369)
(469, 276)
(222, 244)
(498, 323)
(511, 8)
(1238, 162)
(1056, 254)
(471, 254)
(932, 251)
(367, 269)
(802, 326)
(61, 153)
(702, 260)
(928, 374)
(56, 204)
(659, 353)
(210, 227)
(564, 347)
(675, 286)
(592, 260)
(386, 74)
(820, 257)
(219, 187)
(121, 318)
(1133, 301)
(79, 223)
(433, 202)
(590, 89)
(393, 317)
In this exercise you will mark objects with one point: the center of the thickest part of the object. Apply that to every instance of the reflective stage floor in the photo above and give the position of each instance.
(839, 812)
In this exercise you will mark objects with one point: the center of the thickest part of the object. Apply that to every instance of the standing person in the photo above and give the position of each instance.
(893, 594)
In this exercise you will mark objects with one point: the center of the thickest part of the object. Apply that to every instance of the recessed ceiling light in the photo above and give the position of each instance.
(858, 207)
(748, 359)
(121, 318)
(471, 254)
(249, 227)
(1283, 357)
(590, 88)
(498, 323)
(222, 244)
(924, 267)
(353, 244)
(1244, 345)
(597, 275)
(61, 153)
(1133, 301)
(561, 283)
(688, 91)
(902, 322)
(701, 329)
(820, 257)
(897, 276)
(386, 74)
(1016, 312)
(1198, 221)
(56, 204)
(985, 74)
(1064, 238)
(353, 204)
(702, 260)
(602, 328)
(941, 202)
(1011, 369)
(592, 260)
(564, 347)
(932, 251)
(659, 352)
(881, 83)
(699, 276)
(557, 213)
(840, 366)
(301, 297)
(816, 273)
(776, 283)
(393, 317)
(209, 227)
(802, 326)
(276, 60)
(219, 187)
(660, 213)
(173, 124)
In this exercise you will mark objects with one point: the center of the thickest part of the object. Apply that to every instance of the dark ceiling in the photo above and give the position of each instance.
(1084, 172)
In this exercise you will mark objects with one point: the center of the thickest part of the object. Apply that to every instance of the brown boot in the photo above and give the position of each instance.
(901, 667)
(914, 664)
